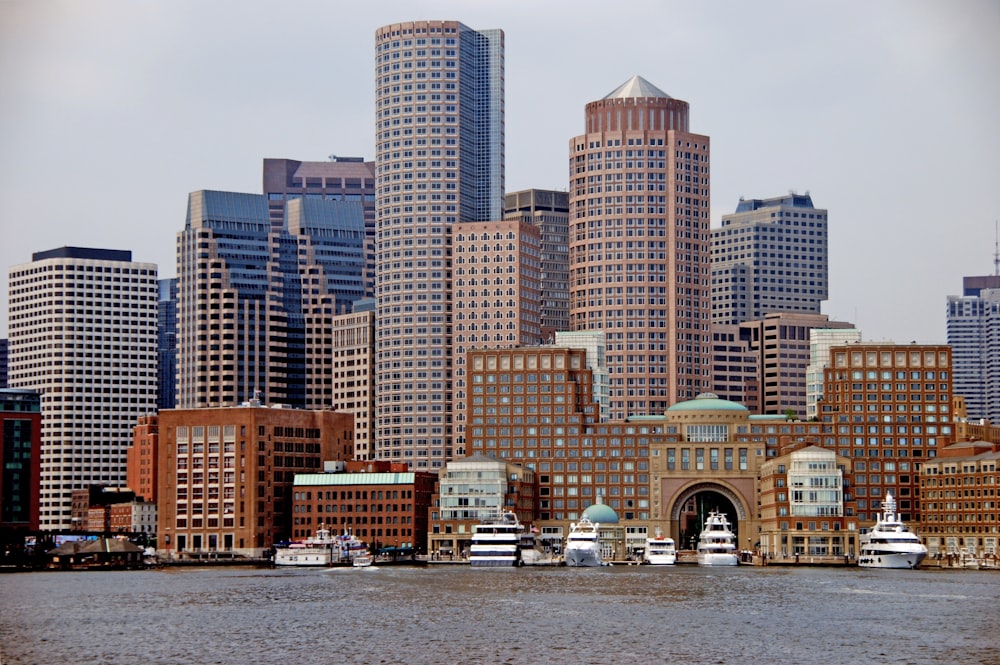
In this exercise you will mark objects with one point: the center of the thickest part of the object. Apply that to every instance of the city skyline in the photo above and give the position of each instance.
(874, 118)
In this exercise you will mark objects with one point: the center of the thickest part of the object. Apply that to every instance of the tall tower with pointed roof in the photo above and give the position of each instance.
(640, 245)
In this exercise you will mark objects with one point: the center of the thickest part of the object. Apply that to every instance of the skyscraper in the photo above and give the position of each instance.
(769, 256)
(639, 245)
(439, 137)
(166, 336)
(973, 328)
(250, 297)
(83, 333)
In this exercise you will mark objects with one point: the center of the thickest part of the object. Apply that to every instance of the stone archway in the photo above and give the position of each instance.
(686, 525)
(697, 488)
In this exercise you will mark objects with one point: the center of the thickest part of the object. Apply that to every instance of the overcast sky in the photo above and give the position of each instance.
(888, 113)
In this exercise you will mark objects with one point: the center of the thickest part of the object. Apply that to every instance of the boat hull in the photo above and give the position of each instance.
(582, 558)
(661, 559)
(890, 559)
(718, 559)
(303, 558)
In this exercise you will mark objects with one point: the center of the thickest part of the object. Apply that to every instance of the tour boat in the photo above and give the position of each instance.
(660, 550)
(583, 545)
(363, 561)
(495, 541)
(717, 543)
(316, 550)
(890, 544)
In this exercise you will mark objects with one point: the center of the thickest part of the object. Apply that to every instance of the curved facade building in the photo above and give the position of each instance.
(439, 161)
(640, 245)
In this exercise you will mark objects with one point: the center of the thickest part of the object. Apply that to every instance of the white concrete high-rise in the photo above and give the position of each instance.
(83, 332)
(439, 161)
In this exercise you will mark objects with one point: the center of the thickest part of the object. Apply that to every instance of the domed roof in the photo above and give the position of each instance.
(601, 513)
(707, 402)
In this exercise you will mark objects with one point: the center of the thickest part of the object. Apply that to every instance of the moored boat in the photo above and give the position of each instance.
(660, 550)
(316, 550)
(496, 541)
(890, 544)
(717, 543)
(583, 545)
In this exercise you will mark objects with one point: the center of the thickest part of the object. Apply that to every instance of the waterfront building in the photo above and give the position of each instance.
(83, 328)
(495, 302)
(4, 361)
(21, 445)
(639, 245)
(735, 367)
(593, 342)
(382, 503)
(958, 511)
(891, 405)
(166, 345)
(226, 475)
(820, 342)
(771, 255)
(781, 343)
(806, 507)
(142, 458)
(439, 158)
(973, 327)
(247, 295)
(549, 211)
(472, 489)
(339, 179)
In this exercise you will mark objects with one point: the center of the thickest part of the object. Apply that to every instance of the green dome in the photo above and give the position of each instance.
(601, 513)
(707, 402)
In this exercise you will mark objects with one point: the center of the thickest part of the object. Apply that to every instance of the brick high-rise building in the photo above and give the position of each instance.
(891, 405)
(83, 333)
(639, 245)
(439, 156)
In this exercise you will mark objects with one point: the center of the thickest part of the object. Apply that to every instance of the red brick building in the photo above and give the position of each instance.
(141, 458)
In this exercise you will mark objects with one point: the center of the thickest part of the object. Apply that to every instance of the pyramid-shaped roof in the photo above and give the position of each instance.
(637, 87)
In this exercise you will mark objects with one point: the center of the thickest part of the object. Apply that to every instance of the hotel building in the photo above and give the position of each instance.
(439, 158)
(821, 340)
(226, 475)
(891, 405)
(83, 327)
(639, 245)
(769, 256)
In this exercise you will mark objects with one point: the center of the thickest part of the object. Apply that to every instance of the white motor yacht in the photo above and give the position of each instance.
(890, 544)
(583, 545)
(717, 543)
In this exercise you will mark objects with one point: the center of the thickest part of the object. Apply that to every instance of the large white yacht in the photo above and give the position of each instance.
(583, 545)
(660, 550)
(889, 544)
(717, 543)
(496, 540)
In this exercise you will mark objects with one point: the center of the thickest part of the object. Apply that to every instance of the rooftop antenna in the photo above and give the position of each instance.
(996, 248)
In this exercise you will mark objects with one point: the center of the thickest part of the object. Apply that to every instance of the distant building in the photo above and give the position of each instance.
(439, 160)
(4, 361)
(639, 245)
(342, 371)
(973, 326)
(806, 507)
(382, 503)
(593, 342)
(769, 256)
(781, 343)
(249, 296)
(100, 370)
(339, 179)
(166, 345)
(891, 406)
(735, 367)
(21, 445)
(549, 212)
(472, 489)
(226, 475)
(820, 342)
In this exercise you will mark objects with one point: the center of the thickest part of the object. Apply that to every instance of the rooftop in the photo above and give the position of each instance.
(636, 87)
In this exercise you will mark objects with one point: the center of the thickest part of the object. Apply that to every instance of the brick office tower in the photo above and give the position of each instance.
(439, 145)
(639, 245)
(83, 333)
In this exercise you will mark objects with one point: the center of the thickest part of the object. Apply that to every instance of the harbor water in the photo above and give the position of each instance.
(459, 614)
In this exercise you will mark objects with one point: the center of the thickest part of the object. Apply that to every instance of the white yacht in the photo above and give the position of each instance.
(889, 544)
(583, 545)
(660, 550)
(316, 550)
(717, 543)
(496, 540)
